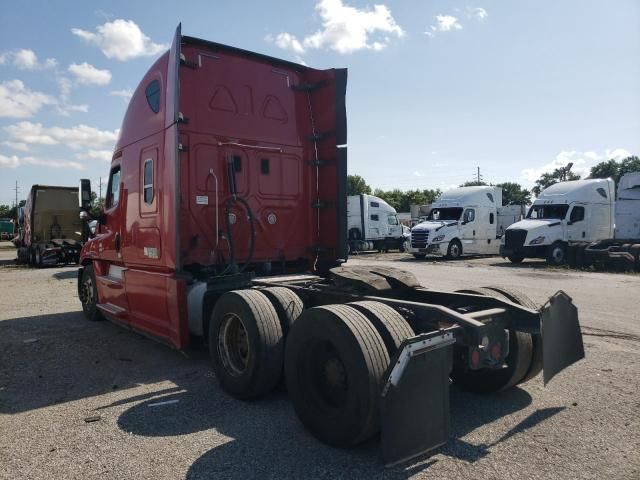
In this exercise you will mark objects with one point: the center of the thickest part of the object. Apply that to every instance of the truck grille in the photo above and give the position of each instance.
(515, 239)
(419, 239)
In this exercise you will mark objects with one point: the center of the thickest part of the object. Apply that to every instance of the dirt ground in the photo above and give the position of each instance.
(160, 414)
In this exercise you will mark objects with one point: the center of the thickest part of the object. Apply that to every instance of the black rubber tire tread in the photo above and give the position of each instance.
(365, 358)
(288, 306)
(489, 381)
(520, 298)
(390, 325)
(265, 338)
(92, 313)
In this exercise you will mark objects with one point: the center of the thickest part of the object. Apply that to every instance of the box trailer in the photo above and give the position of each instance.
(6, 229)
(623, 250)
(465, 220)
(49, 230)
(226, 218)
(372, 224)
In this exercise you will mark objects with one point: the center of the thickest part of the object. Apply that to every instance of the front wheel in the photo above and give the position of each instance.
(557, 254)
(516, 258)
(455, 250)
(89, 295)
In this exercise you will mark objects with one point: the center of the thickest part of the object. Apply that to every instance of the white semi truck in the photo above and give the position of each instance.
(372, 224)
(465, 220)
(566, 215)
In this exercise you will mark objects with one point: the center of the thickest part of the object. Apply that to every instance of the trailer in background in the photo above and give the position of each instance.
(623, 250)
(49, 229)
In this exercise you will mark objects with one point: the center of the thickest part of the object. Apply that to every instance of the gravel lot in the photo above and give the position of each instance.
(57, 371)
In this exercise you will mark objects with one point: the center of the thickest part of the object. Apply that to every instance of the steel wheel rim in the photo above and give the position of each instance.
(87, 292)
(455, 250)
(233, 345)
(328, 375)
(558, 255)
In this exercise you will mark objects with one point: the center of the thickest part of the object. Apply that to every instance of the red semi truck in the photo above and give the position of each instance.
(225, 218)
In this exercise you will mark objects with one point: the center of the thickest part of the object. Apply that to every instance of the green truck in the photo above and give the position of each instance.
(6, 229)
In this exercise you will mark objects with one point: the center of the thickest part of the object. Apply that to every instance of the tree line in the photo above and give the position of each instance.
(512, 193)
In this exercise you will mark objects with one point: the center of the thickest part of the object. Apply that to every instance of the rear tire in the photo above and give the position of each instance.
(89, 295)
(557, 254)
(518, 362)
(334, 364)
(288, 306)
(246, 344)
(454, 250)
(390, 325)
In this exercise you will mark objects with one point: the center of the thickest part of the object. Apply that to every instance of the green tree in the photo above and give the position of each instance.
(474, 183)
(402, 201)
(514, 194)
(5, 211)
(548, 179)
(356, 185)
(614, 169)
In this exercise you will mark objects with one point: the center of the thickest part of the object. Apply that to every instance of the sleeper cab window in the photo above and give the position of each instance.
(153, 95)
(147, 185)
(264, 166)
(602, 192)
(374, 217)
(113, 191)
(374, 204)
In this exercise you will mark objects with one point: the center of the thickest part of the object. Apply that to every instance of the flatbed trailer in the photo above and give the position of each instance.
(226, 219)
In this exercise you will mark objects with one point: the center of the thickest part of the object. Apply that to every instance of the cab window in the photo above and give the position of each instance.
(113, 190)
(577, 214)
(469, 215)
(392, 219)
(147, 185)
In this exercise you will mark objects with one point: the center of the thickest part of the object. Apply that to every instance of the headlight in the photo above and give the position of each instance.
(536, 241)
(439, 238)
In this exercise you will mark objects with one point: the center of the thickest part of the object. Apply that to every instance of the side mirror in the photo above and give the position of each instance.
(569, 222)
(84, 194)
(93, 226)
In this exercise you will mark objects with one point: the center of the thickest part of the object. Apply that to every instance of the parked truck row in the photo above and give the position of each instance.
(372, 224)
(226, 219)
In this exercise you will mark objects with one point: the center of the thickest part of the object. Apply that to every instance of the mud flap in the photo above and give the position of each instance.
(561, 336)
(415, 397)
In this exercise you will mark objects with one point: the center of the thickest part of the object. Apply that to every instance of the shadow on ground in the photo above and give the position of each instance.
(52, 359)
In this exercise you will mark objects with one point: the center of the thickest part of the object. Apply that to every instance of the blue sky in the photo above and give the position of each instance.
(435, 88)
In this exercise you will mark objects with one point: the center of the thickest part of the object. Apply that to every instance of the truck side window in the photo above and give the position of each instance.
(577, 214)
(374, 204)
(491, 219)
(392, 219)
(469, 215)
(374, 217)
(113, 192)
(153, 95)
(602, 192)
(147, 183)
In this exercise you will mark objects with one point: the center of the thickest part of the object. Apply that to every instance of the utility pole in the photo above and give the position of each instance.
(100, 190)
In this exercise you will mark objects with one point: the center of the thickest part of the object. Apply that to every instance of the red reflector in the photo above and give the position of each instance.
(475, 358)
(496, 351)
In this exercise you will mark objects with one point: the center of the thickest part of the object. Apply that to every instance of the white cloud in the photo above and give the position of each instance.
(477, 13)
(26, 59)
(418, 174)
(346, 29)
(582, 162)
(104, 155)
(121, 39)
(446, 23)
(125, 94)
(14, 161)
(87, 74)
(80, 136)
(23, 147)
(17, 101)
(286, 41)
